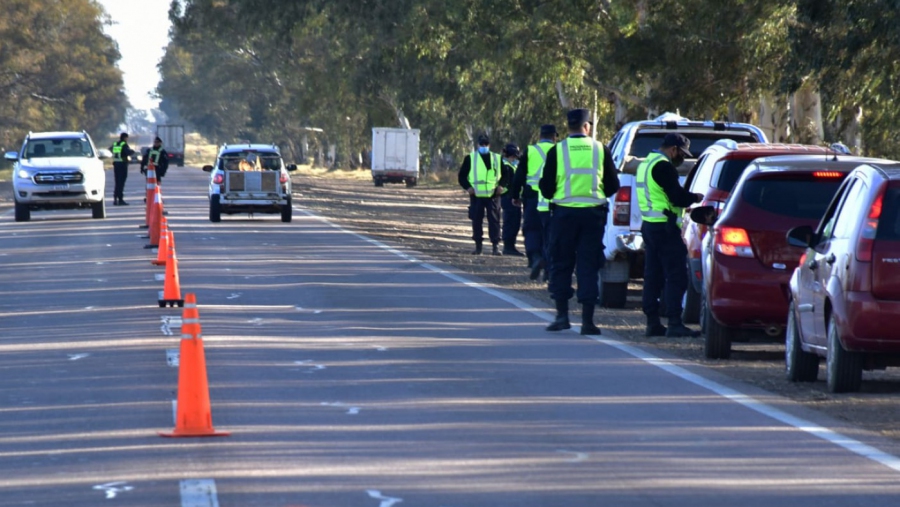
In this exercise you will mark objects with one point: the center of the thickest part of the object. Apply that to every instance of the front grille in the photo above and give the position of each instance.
(58, 178)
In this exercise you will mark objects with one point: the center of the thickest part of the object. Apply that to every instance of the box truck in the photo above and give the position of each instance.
(173, 142)
(395, 156)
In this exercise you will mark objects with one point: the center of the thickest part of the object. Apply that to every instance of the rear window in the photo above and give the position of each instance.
(250, 160)
(889, 223)
(729, 172)
(645, 142)
(801, 197)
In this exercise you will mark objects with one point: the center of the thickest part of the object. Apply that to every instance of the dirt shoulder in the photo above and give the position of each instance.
(431, 219)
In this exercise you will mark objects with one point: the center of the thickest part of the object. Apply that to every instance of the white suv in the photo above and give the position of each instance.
(58, 170)
(249, 178)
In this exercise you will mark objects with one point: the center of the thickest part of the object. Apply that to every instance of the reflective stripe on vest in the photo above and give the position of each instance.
(580, 182)
(117, 151)
(535, 168)
(482, 179)
(652, 200)
(153, 155)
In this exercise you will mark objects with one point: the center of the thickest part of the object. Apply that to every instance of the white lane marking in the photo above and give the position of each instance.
(317, 312)
(308, 362)
(169, 322)
(100, 280)
(831, 436)
(113, 488)
(233, 296)
(159, 277)
(256, 322)
(386, 501)
(199, 493)
(100, 263)
(578, 456)
(175, 412)
(88, 307)
(108, 244)
(173, 357)
(350, 409)
(380, 348)
(76, 357)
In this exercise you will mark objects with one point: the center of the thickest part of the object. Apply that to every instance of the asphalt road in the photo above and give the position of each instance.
(354, 375)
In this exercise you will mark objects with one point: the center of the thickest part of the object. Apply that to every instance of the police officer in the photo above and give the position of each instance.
(159, 157)
(121, 153)
(480, 175)
(512, 210)
(578, 176)
(537, 209)
(661, 199)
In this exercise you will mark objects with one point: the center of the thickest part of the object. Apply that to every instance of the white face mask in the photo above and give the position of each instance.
(483, 149)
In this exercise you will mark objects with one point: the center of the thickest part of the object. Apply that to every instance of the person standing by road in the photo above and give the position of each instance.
(512, 210)
(481, 177)
(525, 188)
(156, 154)
(578, 177)
(662, 199)
(121, 154)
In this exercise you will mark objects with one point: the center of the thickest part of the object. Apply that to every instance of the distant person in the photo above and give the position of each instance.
(121, 153)
(512, 208)
(536, 223)
(480, 175)
(159, 157)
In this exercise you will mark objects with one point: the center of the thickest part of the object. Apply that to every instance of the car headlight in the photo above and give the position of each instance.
(23, 174)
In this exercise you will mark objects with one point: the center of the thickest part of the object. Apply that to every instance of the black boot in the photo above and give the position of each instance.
(477, 250)
(562, 317)
(496, 250)
(678, 330)
(536, 267)
(588, 328)
(122, 202)
(512, 250)
(654, 326)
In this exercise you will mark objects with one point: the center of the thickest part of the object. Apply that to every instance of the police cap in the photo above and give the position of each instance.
(548, 130)
(578, 117)
(679, 141)
(511, 150)
(484, 140)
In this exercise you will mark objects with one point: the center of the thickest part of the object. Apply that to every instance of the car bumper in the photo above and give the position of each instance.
(743, 294)
(630, 242)
(71, 193)
(871, 323)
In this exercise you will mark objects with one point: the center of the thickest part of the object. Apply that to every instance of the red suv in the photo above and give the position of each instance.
(845, 295)
(714, 175)
(746, 263)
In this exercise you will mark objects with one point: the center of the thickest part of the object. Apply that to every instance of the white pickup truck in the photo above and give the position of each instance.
(623, 244)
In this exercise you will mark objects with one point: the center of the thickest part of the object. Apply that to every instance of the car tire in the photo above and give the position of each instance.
(690, 313)
(287, 212)
(410, 183)
(800, 366)
(844, 368)
(716, 338)
(613, 294)
(215, 208)
(23, 212)
(379, 182)
(98, 209)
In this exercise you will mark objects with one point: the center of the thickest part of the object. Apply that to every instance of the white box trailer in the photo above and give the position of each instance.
(395, 156)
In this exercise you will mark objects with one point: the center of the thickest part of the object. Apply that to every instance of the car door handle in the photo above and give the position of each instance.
(830, 259)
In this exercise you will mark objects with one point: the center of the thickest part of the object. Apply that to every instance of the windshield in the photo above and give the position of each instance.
(250, 160)
(55, 148)
(645, 142)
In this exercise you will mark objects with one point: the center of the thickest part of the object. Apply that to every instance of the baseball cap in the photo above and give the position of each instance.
(578, 117)
(679, 141)
(511, 150)
(484, 140)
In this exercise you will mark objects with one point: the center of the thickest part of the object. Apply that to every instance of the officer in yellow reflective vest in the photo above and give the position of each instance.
(160, 160)
(481, 177)
(578, 177)
(121, 153)
(661, 199)
(536, 208)
(512, 208)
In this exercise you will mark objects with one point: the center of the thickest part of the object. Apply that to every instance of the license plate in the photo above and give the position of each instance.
(60, 187)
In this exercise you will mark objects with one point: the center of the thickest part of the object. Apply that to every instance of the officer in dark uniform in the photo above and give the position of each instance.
(578, 177)
(159, 157)
(512, 210)
(482, 178)
(662, 199)
(121, 154)
(537, 211)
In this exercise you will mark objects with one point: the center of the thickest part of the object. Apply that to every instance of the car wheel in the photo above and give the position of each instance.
(800, 366)
(98, 209)
(717, 338)
(287, 212)
(844, 368)
(410, 183)
(690, 313)
(23, 213)
(613, 294)
(379, 182)
(215, 208)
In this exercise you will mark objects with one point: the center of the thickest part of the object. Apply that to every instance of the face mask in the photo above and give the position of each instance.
(483, 149)
(513, 162)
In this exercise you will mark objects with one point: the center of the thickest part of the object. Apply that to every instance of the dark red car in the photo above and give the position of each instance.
(845, 295)
(746, 263)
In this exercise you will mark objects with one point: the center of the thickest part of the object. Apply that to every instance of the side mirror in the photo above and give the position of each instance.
(704, 215)
(292, 167)
(801, 236)
(11, 155)
(207, 168)
(104, 154)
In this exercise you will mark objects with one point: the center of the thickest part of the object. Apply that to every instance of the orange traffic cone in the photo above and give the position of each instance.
(194, 413)
(171, 293)
(155, 220)
(151, 190)
(163, 250)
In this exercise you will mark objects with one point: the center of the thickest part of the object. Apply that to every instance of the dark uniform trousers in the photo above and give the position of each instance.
(665, 266)
(532, 229)
(120, 171)
(546, 220)
(478, 208)
(576, 244)
(512, 220)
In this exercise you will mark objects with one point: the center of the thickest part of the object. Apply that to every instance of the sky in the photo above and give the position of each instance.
(141, 28)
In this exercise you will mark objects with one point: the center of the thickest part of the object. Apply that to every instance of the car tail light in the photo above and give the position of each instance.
(733, 242)
(218, 179)
(622, 211)
(284, 177)
(867, 234)
(802, 259)
(828, 174)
